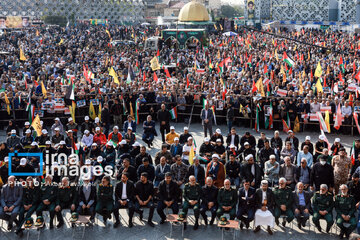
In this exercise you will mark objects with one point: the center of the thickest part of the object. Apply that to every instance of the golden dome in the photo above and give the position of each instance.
(193, 12)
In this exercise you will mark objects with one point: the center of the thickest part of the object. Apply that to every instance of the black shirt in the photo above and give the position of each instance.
(144, 190)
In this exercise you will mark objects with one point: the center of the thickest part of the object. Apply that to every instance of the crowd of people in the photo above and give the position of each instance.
(109, 90)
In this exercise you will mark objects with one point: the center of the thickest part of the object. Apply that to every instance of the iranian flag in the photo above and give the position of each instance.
(288, 60)
(353, 154)
(322, 122)
(173, 113)
(281, 92)
(269, 119)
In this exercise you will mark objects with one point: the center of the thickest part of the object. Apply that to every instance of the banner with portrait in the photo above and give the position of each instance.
(14, 22)
(250, 6)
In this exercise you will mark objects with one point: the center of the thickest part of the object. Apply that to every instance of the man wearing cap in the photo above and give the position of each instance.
(186, 150)
(71, 125)
(336, 147)
(149, 131)
(48, 199)
(26, 127)
(124, 198)
(168, 196)
(216, 137)
(169, 137)
(342, 165)
(161, 169)
(264, 203)
(227, 200)
(164, 118)
(320, 146)
(129, 123)
(163, 153)
(27, 139)
(144, 193)
(184, 136)
(24, 167)
(148, 168)
(43, 138)
(87, 125)
(322, 205)
(13, 140)
(216, 170)
(192, 195)
(308, 143)
(206, 119)
(305, 154)
(57, 125)
(345, 207)
(206, 148)
(57, 137)
(294, 140)
(245, 151)
(105, 201)
(10, 202)
(247, 137)
(67, 198)
(129, 136)
(232, 168)
(4, 170)
(115, 135)
(99, 137)
(251, 172)
(220, 149)
(176, 148)
(30, 201)
(87, 140)
(109, 154)
(271, 171)
(283, 199)
(71, 139)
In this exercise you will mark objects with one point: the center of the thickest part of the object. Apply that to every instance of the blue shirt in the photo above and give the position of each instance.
(301, 199)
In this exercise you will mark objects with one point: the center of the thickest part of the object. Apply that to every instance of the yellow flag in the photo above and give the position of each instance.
(37, 125)
(114, 75)
(99, 114)
(37, 33)
(221, 27)
(301, 88)
(22, 55)
(297, 125)
(61, 41)
(327, 120)
(72, 110)
(191, 155)
(43, 89)
(260, 87)
(92, 113)
(276, 55)
(318, 86)
(215, 26)
(7, 104)
(318, 71)
(108, 33)
(154, 64)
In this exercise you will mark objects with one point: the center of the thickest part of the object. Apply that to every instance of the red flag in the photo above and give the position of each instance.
(265, 69)
(285, 126)
(254, 88)
(155, 77)
(144, 76)
(187, 82)
(167, 73)
(324, 85)
(340, 78)
(356, 121)
(357, 76)
(311, 75)
(158, 53)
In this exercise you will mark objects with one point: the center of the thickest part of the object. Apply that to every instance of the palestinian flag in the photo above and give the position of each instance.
(30, 107)
(173, 113)
(70, 92)
(220, 67)
(341, 65)
(210, 66)
(269, 119)
(288, 60)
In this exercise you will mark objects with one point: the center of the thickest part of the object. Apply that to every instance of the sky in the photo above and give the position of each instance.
(233, 2)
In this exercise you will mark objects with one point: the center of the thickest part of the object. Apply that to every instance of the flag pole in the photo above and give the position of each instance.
(192, 109)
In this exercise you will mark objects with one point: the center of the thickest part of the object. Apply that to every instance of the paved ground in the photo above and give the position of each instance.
(142, 231)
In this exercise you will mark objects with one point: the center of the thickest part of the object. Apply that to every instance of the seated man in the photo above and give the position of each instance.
(144, 192)
(288, 171)
(216, 170)
(160, 171)
(301, 204)
(246, 205)
(283, 202)
(209, 200)
(227, 200)
(264, 203)
(105, 201)
(66, 199)
(192, 195)
(345, 207)
(11, 196)
(232, 168)
(124, 198)
(48, 193)
(168, 196)
(322, 205)
(87, 198)
(30, 202)
(272, 169)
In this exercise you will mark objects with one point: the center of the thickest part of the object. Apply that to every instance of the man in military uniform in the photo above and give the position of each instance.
(105, 201)
(48, 193)
(345, 210)
(209, 200)
(30, 202)
(283, 202)
(323, 204)
(192, 194)
(227, 200)
(66, 198)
